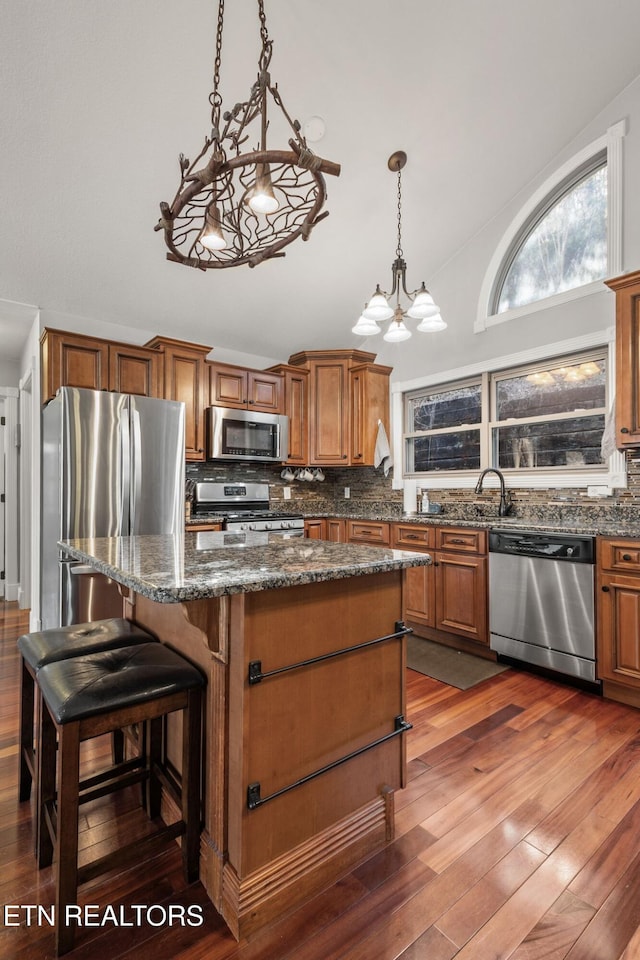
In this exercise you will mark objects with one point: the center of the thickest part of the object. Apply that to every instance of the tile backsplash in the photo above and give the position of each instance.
(371, 494)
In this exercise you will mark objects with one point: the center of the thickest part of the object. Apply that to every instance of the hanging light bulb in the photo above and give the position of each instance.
(397, 330)
(211, 236)
(365, 327)
(432, 324)
(423, 305)
(378, 307)
(262, 198)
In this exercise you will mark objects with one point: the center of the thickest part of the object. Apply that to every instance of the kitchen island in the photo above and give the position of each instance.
(302, 645)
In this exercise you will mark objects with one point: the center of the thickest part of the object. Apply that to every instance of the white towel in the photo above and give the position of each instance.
(382, 452)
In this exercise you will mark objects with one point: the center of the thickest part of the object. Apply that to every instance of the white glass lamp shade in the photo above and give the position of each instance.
(377, 309)
(212, 237)
(397, 332)
(262, 198)
(365, 327)
(423, 305)
(432, 324)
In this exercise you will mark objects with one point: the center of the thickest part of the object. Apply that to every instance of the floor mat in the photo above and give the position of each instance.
(461, 670)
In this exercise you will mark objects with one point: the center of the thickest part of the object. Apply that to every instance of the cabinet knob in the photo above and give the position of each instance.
(606, 589)
(435, 563)
(627, 556)
(344, 456)
(624, 429)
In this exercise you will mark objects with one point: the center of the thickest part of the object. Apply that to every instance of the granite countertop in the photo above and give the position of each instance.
(215, 564)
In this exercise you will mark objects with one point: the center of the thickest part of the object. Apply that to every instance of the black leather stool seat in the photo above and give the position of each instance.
(114, 679)
(46, 646)
(60, 643)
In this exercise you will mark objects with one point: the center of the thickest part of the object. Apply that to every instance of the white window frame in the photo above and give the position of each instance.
(614, 474)
(612, 143)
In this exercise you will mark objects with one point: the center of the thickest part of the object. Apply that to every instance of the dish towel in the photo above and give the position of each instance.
(382, 452)
(608, 445)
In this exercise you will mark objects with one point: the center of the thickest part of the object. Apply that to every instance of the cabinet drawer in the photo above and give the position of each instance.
(199, 527)
(621, 556)
(367, 531)
(413, 537)
(461, 540)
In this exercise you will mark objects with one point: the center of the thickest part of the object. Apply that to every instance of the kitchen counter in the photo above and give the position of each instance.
(215, 564)
(303, 648)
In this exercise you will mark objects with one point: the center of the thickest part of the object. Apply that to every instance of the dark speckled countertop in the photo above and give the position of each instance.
(211, 564)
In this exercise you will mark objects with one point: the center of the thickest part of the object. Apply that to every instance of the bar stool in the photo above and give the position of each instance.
(60, 643)
(85, 697)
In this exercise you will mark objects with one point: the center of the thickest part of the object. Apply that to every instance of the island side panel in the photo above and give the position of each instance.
(285, 727)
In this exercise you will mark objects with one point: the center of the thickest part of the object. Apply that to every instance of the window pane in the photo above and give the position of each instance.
(446, 451)
(566, 249)
(556, 443)
(562, 389)
(448, 408)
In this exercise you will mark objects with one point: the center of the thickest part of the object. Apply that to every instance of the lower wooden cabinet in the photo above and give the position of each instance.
(450, 596)
(375, 532)
(315, 529)
(336, 530)
(618, 618)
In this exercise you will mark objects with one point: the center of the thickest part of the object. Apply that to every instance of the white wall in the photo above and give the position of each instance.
(9, 372)
(456, 286)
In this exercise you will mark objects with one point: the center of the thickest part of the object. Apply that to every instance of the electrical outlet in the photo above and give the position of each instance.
(347, 493)
(286, 493)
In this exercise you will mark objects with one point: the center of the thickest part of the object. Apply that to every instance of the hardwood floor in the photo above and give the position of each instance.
(518, 836)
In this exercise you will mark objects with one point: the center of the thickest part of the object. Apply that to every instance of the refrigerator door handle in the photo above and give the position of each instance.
(125, 469)
(136, 472)
(82, 570)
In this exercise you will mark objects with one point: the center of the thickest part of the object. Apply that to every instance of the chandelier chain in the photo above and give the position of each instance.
(215, 97)
(399, 247)
(264, 36)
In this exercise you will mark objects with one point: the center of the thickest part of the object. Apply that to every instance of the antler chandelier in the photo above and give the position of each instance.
(422, 306)
(233, 208)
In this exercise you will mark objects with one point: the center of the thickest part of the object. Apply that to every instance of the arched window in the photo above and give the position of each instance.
(564, 241)
(562, 245)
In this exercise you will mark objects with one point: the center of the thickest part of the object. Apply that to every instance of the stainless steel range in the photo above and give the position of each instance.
(243, 507)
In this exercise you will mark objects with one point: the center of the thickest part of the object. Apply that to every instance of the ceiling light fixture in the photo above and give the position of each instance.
(422, 306)
(233, 208)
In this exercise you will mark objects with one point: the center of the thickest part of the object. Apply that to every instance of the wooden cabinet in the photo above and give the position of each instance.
(239, 387)
(185, 379)
(75, 360)
(336, 530)
(203, 527)
(449, 597)
(374, 532)
(296, 407)
(315, 529)
(618, 618)
(627, 289)
(348, 394)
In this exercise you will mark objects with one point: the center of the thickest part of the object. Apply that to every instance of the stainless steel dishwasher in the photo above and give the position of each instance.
(541, 600)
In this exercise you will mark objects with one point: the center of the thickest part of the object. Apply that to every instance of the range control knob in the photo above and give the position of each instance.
(244, 526)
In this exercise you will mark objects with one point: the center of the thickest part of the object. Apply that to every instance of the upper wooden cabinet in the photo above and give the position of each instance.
(348, 394)
(296, 407)
(186, 379)
(627, 289)
(232, 386)
(75, 360)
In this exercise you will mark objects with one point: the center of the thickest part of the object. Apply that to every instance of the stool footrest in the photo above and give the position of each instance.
(133, 852)
(110, 783)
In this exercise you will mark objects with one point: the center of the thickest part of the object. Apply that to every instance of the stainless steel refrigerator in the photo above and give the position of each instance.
(112, 465)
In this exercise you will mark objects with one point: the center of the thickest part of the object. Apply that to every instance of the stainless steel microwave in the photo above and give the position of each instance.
(245, 435)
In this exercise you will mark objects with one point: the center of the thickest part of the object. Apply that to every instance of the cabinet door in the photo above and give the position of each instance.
(315, 529)
(627, 358)
(73, 360)
(184, 380)
(619, 629)
(419, 595)
(227, 385)
(265, 391)
(461, 595)
(297, 411)
(329, 412)
(369, 404)
(336, 531)
(368, 531)
(134, 370)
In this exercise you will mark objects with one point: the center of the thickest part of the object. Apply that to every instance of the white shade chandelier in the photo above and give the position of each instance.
(378, 309)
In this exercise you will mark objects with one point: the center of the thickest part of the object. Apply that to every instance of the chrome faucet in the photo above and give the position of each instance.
(506, 504)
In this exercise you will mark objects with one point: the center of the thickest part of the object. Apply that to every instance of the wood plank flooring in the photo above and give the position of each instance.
(518, 836)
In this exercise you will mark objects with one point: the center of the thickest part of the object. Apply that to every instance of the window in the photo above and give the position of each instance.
(544, 416)
(562, 245)
(563, 241)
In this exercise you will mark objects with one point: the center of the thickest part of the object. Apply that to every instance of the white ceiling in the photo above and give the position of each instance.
(98, 99)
